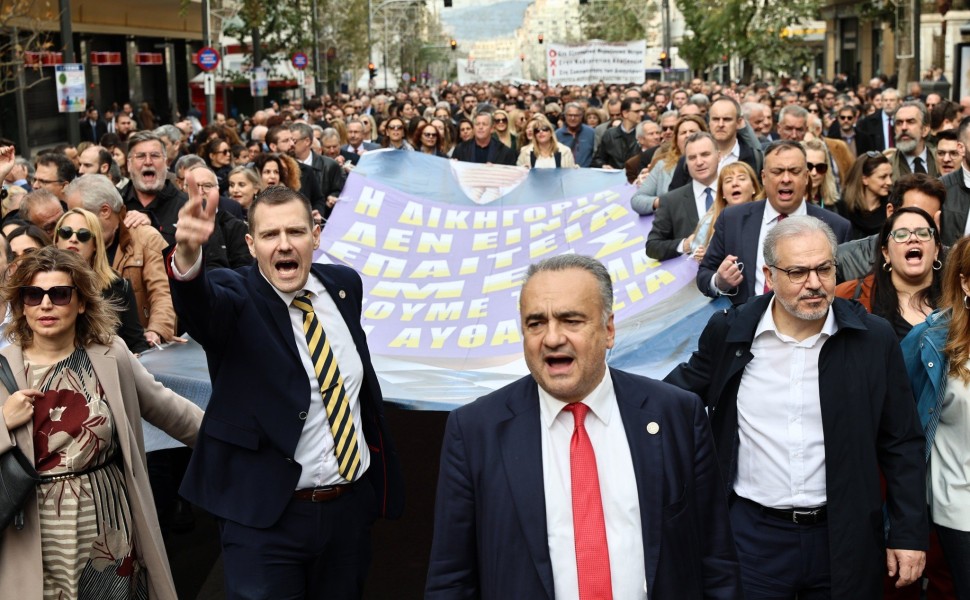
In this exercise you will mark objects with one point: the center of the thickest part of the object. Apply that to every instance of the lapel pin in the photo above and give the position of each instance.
(342, 294)
(653, 428)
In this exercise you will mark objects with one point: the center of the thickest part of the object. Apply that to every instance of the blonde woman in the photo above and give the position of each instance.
(545, 152)
(80, 231)
(736, 184)
(825, 191)
(502, 124)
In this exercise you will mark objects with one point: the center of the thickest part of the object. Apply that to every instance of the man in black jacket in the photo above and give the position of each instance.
(619, 143)
(149, 190)
(326, 171)
(484, 148)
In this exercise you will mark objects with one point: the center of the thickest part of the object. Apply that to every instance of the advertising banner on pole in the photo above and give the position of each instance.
(594, 61)
(72, 96)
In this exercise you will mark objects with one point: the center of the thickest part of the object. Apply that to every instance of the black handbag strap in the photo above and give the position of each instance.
(6, 376)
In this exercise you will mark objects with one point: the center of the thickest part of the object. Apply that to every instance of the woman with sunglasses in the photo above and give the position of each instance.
(545, 151)
(428, 141)
(904, 285)
(77, 416)
(865, 195)
(395, 132)
(937, 354)
(80, 231)
(825, 192)
(665, 160)
(501, 121)
(218, 157)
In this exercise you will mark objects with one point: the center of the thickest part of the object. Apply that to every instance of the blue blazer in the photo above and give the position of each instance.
(242, 468)
(490, 538)
(736, 232)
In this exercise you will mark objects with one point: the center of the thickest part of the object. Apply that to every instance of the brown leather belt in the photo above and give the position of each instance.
(322, 494)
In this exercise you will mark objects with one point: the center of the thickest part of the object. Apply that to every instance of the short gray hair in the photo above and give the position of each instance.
(670, 114)
(794, 110)
(188, 161)
(169, 131)
(35, 199)
(140, 137)
(924, 114)
(576, 105)
(585, 263)
(95, 190)
(700, 100)
(698, 136)
(795, 226)
(329, 133)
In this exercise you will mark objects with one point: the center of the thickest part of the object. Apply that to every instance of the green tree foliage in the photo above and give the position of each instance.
(753, 30)
(615, 20)
(282, 26)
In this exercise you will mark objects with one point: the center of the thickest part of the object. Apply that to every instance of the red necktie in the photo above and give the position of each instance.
(589, 525)
(779, 219)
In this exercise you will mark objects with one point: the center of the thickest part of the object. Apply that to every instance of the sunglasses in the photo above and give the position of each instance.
(820, 168)
(545, 129)
(429, 135)
(65, 233)
(501, 120)
(846, 117)
(668, 128)
(395, 127)
(60, 295)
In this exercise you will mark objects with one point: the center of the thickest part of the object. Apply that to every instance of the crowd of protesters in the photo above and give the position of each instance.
(889, 164)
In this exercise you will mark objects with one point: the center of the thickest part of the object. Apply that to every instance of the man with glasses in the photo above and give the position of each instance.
(844, 128)
(576, 135)
(949, 152)
(620, 143)
(150, 191)
(954, 221)
(52, 172)
(732, 263)
(809, 399)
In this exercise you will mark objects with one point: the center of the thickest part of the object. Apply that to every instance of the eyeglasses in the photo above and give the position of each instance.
(501, 120)
(152, 156)
(39, 181)
(60, 295)
(668, 127)
(65, 233)
(543, 129)
(846, 117)
(429, 135)
(820, 168)
(813, 110)
(226, 151)
(903, 235)
(800, 274)
(395, 127)
(205, 188)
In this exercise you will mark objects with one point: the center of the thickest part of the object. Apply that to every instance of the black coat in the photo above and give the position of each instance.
(498, 153)
(870, 425)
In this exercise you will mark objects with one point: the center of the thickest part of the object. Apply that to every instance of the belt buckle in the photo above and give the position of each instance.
(812, 514)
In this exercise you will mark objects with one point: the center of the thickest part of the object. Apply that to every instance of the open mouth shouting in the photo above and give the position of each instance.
(914, 256)
(558, 364)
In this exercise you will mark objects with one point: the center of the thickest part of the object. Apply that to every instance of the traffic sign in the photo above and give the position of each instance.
(207, 58)
(300, 60)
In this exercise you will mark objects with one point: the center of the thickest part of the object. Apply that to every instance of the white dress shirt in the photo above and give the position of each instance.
(731, 157)
(781, 450)
(770, 220)
(700, 203)
(618, 489)
(315, 449)
(911, 159)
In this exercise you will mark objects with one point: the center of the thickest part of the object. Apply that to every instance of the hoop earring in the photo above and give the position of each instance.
(937, 265)
(966, 302)
(887, 267)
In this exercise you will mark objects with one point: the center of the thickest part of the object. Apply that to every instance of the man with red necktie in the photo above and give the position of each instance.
(579, 482)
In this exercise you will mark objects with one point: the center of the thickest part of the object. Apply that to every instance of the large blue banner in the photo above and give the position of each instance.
(442, 247)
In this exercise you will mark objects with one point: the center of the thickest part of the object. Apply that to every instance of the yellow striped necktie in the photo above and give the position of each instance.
(332, 390)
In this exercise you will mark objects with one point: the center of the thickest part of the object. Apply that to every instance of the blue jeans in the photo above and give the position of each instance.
(956, 550)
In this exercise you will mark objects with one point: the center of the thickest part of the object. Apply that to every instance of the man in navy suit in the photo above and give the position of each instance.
(740, 230)
(518, 516)
(294, 521)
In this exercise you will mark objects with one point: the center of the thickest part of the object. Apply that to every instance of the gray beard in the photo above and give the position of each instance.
(906, 146)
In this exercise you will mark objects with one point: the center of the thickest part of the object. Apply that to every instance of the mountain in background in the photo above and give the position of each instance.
(471, 20)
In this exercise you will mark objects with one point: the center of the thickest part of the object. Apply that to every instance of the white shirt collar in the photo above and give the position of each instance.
(771, 214)
(700, 187)
(767, 324)
(597, 401)
(312, 285)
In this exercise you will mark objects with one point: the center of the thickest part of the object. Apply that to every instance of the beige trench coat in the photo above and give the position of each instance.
(132, 393)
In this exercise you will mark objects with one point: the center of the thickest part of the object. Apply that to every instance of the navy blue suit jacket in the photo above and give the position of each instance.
(737, 231)
(242, 468)
(490, 538)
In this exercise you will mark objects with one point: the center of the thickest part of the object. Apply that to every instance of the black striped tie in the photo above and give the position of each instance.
(332, 390)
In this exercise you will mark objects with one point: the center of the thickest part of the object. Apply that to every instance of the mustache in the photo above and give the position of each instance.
(812, 295)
